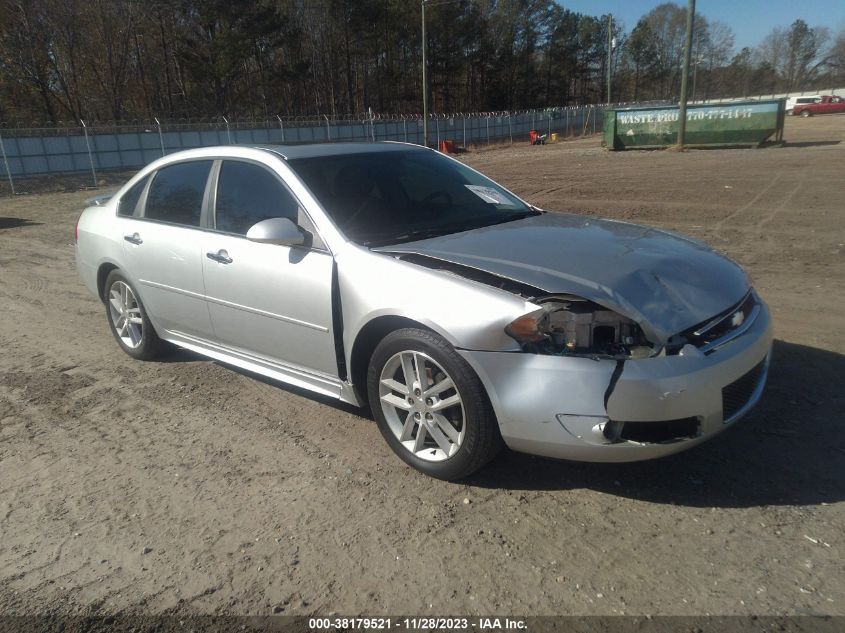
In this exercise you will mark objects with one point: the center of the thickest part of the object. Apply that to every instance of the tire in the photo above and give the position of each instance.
(806, 113)
(128, 320)
(448, 405)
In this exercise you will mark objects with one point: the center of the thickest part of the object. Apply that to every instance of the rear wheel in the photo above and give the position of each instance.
(430, 405)
(805, 113)
(128, 320)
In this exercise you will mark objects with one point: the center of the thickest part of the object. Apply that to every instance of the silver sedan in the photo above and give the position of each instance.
(389, 275)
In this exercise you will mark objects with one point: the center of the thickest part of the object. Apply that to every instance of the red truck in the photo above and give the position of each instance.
(824, 105)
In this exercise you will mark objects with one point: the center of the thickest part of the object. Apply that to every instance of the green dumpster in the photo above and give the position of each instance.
(739, 123)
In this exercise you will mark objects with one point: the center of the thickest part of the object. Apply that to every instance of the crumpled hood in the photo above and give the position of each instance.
(665, 282)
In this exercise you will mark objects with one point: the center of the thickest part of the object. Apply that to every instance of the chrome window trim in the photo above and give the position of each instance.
(207, 214)
(139, 203)
(214, 181)
(205, 229)
(151, 179)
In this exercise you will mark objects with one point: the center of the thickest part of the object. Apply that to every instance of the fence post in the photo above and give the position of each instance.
(90, 156)
(281, 127)
(6, 162)
(510, 127)
(568, 130)
(405, 127)
(549, 116)
(437, 125)
(488, 130)
(160, 137)
(228, 135)
(465, 131)
(328, 131)
(532, 120)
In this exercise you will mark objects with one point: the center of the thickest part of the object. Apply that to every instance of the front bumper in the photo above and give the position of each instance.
(561, 406)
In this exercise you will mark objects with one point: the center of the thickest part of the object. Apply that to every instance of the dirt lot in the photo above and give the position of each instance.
(184, 485)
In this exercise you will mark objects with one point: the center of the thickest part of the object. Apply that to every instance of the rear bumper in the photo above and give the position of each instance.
(575, 408)
(87, 272)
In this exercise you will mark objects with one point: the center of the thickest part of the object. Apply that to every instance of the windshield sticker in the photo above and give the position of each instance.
(488, 194)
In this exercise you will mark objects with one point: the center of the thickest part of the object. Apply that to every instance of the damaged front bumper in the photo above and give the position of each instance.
(612, 411)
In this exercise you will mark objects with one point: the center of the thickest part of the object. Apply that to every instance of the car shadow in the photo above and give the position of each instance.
(176, 354)
(305, 393)
(789, 450)
(13, 223)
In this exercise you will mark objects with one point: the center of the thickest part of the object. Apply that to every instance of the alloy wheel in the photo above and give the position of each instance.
(422, 406)
(126, 314)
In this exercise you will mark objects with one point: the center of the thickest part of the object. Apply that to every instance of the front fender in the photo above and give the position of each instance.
(468, 314)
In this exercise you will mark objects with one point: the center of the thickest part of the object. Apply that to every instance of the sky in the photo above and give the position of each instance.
(751, 20)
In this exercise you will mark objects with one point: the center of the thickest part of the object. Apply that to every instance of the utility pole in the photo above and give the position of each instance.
(695, 63)
(423, 4)
(682, 105)
(424, 78)
(609, 51)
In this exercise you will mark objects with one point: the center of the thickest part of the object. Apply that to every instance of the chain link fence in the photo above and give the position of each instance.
(93, 147)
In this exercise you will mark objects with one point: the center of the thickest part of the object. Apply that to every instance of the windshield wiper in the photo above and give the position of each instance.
(413, 235)
(520, 215)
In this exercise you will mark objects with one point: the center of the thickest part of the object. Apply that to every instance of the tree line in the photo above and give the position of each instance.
(64, 60)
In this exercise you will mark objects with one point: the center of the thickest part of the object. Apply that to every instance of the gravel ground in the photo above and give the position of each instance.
(186, 486)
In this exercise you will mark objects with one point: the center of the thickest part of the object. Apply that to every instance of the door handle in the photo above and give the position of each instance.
(221, 257)
(133, 239)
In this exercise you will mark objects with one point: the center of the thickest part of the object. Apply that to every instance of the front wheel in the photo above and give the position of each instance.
(430, 405)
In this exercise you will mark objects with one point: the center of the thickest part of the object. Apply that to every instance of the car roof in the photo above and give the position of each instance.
(284, 152)
(335, 149)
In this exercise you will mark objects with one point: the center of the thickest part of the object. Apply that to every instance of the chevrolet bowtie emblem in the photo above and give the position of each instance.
(737, 318)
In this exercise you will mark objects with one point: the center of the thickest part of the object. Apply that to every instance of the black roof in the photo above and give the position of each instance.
(336, 149)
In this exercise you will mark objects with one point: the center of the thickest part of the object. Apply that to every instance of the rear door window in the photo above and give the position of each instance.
(176, 193)
(248, 194)
(129, 201)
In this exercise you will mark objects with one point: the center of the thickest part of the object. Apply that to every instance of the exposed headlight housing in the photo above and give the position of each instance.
(575, 327)
(529, 328)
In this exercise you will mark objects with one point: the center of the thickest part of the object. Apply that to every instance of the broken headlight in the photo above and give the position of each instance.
(574, 327)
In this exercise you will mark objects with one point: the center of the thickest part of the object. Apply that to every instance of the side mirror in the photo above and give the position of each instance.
(276, 231)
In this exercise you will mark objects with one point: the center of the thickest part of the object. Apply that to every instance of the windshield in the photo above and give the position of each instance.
(379, 198)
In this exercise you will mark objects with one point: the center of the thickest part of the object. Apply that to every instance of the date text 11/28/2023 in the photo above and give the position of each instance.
(417, 624)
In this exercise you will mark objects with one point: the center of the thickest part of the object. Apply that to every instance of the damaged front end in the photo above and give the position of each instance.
(630, 344)
(593, 374)
(571, 326)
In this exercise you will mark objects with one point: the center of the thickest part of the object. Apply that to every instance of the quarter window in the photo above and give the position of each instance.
(129, 200)
(248, 194)
(177, 192)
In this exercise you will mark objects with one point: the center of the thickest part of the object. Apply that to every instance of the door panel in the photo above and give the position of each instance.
(163, 249)
(271, 301)
(167, 270)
